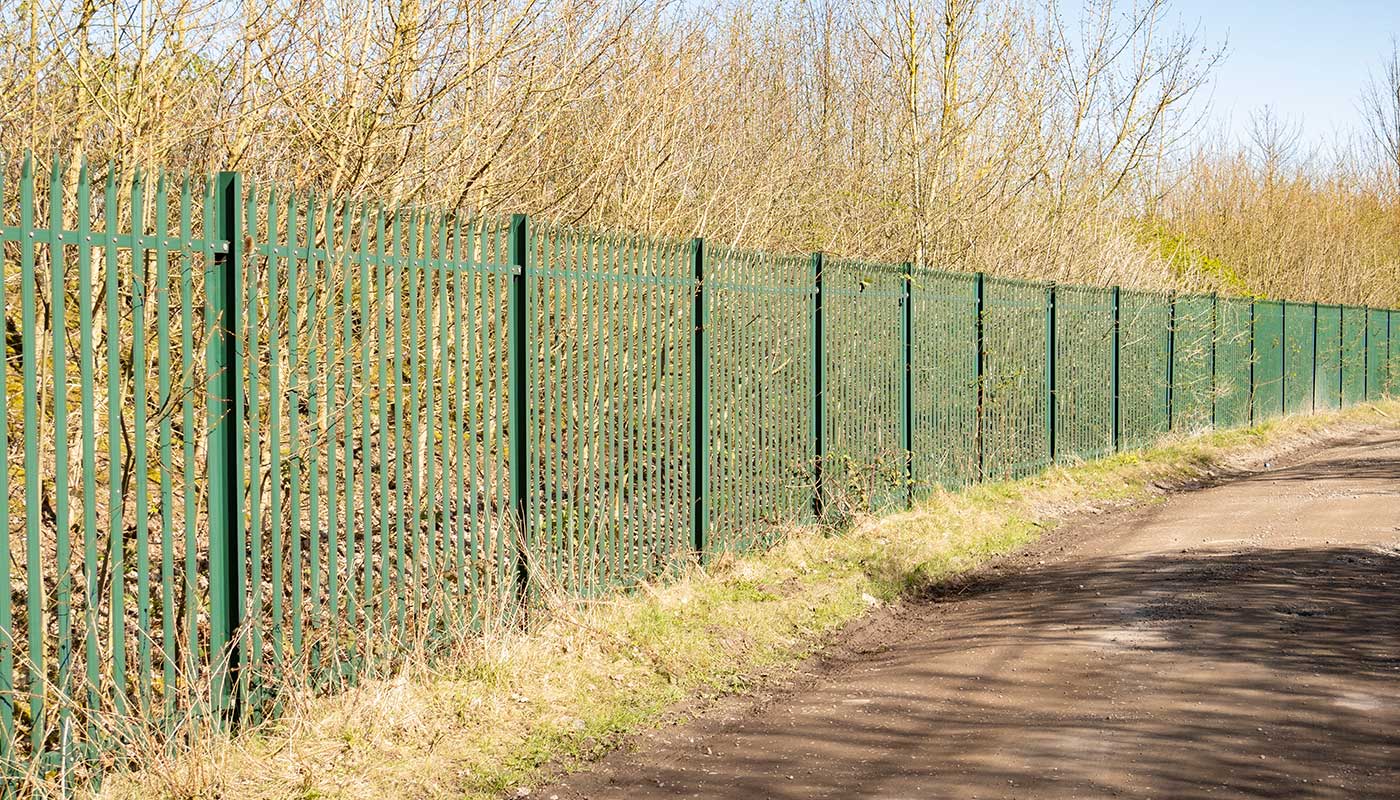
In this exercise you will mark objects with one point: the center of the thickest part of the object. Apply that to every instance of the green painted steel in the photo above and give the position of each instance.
(1016, 440)
(1299, 325)
(863, 462)
(1233, 352)
(699, 390)
(1327, 392)
(1268, 360)
(611, 471)
(944, 379)
(1115, 372)
(1192, 367)
(1377, 342)
(311, 432)
(817, 346)
(1298, 357)
(760, 413)
(906, 399)
(1142, 368)
(1392, 386)
(1083, 372)
(1353, 355)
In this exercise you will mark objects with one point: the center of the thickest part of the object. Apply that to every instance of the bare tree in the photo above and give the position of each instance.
(1380, 105)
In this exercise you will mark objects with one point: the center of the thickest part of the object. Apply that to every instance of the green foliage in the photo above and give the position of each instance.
(1186, 262)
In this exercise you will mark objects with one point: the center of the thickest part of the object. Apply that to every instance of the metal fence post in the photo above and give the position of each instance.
(906, 301)
(224, 369)
(1214, 345)
(1050, 370)
(1171, 361)
(1115, 421)
(980, 342)
(1341, 355)
(1283, 359)
(520, 407)
(1365, 354)
(1313, 394)
(699, 406)
(1252, 387)
(818, 390)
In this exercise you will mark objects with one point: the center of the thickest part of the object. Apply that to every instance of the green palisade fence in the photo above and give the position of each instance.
(1193, 363)
(1234, 354)
(1353, 355)
(1015, 427)
(255, 436)
(944, 377)
(760, 388)
(1268, 360)
(1327, 389)
(864, 465)
(1392, 385)
(1084, 369)
(1377, 342)
(1299, 325)
(1142, 359)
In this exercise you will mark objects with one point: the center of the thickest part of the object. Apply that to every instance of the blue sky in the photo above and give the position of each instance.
(1308, 59)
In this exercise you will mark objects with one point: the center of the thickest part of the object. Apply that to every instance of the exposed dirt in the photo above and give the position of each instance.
(1240, 640)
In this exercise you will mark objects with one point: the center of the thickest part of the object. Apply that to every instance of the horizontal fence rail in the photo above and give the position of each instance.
(256, 439)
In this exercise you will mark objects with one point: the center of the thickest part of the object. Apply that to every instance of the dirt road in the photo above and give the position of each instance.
(1236, 641)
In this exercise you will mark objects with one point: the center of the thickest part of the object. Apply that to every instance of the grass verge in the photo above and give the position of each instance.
(482, 722)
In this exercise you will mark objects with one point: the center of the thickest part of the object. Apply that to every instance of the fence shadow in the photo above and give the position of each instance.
(1214, 674)
(1346, 466)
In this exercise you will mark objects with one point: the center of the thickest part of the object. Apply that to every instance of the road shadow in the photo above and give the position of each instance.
(1206, 674)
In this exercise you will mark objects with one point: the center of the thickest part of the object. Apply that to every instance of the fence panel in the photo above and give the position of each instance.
(105, 397)
(610, 469)
(1298, 324)
(1377, 341)
(1083, 366)
(1016, 441)
(761, 450)
(1233, 354)
(1328, 384)
(376, 380)
(1142, 367)
(1393, 354)
(944, 374)
(1353, 355)
(864, 467)
(1193, 354)
(1268, 360)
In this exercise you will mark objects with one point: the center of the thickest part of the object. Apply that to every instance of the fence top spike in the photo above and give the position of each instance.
(27, 171)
